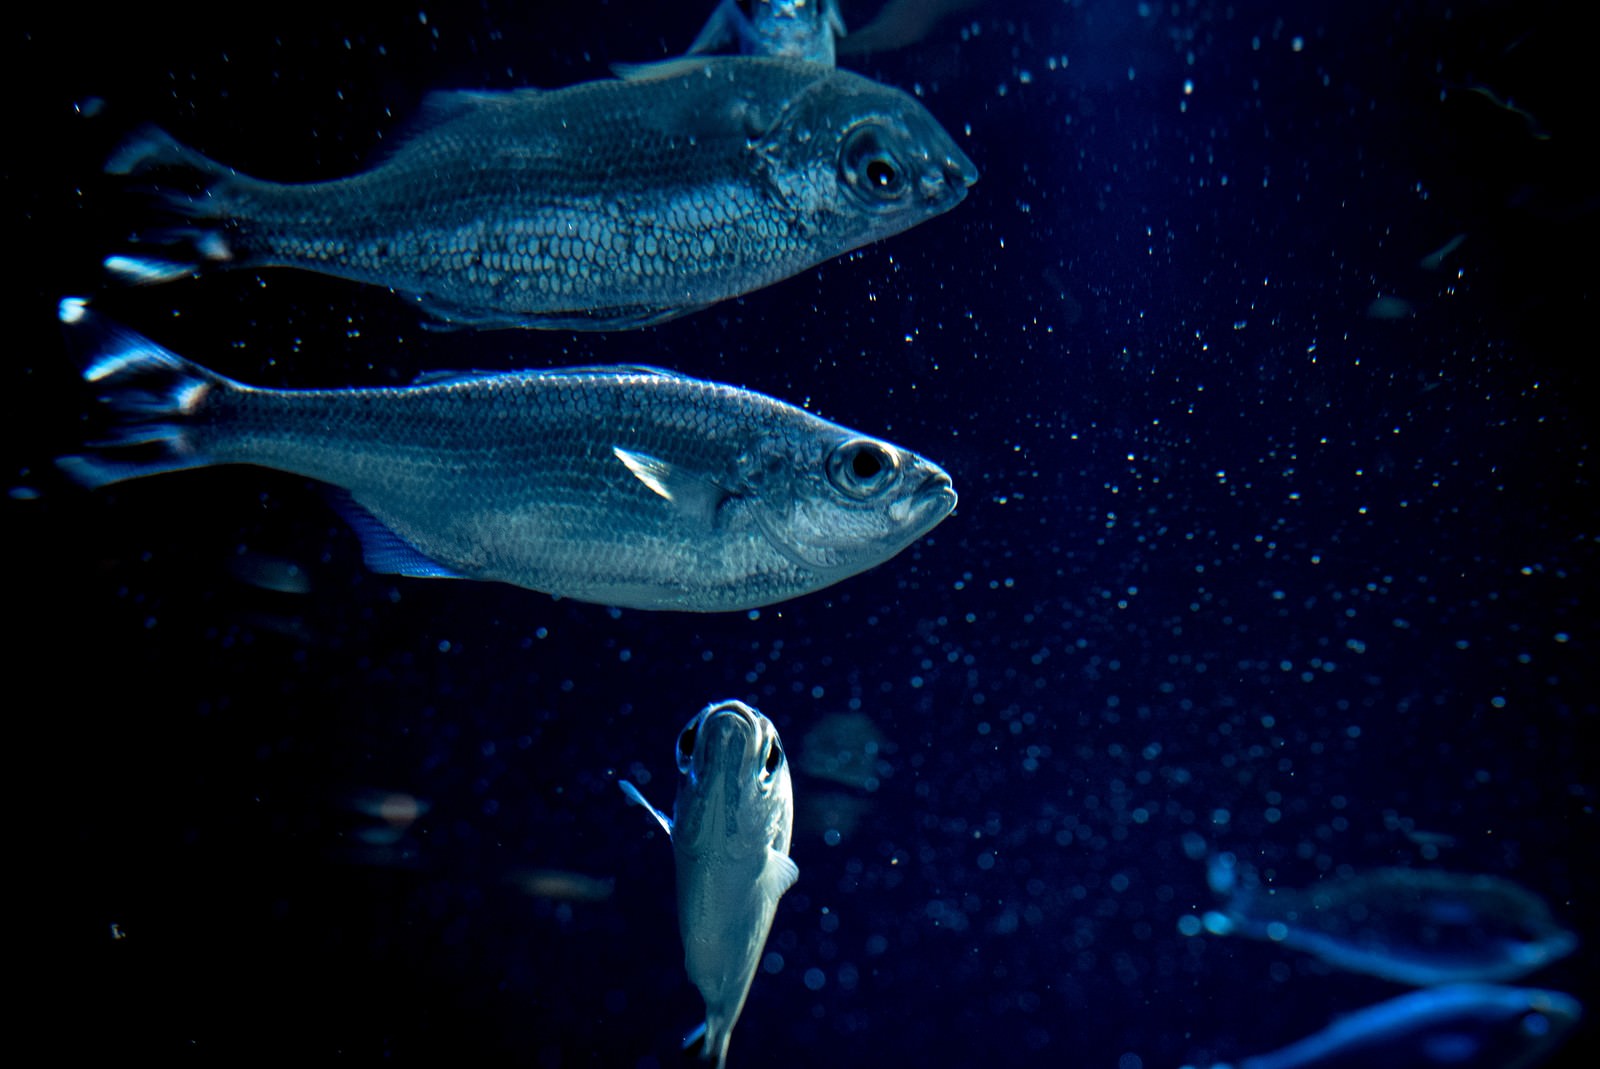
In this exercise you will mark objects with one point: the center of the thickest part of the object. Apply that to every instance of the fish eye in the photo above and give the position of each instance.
(686, 746)
(870, 167)
(774, 757)
(863, 468)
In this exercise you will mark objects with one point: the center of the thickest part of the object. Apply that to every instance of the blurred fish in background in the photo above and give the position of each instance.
(1413, 926)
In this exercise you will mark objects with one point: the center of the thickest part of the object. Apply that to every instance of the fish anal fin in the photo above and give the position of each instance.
(383, 550)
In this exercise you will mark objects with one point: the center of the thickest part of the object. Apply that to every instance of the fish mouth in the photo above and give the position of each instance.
(936, 489)
(730, 709)
(729, 736)
(949, 178)
(920, 510)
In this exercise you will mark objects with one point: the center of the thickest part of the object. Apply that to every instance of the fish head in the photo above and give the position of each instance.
(735, 795)
(836, 502)
(861, 161)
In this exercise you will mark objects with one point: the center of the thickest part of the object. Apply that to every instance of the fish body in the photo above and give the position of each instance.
(618, 485)
(605, 205)
(731, 827)
(1413, 926)
(1454, 1026)
(798, 29)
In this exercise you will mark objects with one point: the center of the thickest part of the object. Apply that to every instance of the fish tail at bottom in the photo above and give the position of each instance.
(153, 395)
(708, 1046)
(188, 226)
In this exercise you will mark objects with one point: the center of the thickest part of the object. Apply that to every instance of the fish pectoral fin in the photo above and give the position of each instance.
(639, 799)
(779, 874)
(692, 494)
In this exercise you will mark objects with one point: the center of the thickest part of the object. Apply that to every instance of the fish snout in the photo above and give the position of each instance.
(948, 176)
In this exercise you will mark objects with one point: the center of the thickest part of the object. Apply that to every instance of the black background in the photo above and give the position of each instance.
(1226, 542)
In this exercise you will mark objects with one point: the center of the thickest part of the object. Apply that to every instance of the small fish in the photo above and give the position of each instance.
(798, 29)
(1458, 1026)
(602, 206)
(1413, 926)
(624, 486)
(730, 828)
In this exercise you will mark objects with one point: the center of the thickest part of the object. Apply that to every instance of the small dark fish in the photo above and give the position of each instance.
(605, 205)
(618, 485)
(1414, 926)
(1459, 1026)
(731, 826)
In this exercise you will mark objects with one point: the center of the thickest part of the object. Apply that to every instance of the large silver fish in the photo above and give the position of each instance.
(608, 204)
(619, 485)
(730, 828)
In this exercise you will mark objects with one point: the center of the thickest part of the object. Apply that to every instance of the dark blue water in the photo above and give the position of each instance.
(1241, 554)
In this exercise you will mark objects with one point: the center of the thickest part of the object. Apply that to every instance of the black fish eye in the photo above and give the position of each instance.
(863, 468)
(774, 757)
(881, 173)
(869, 166)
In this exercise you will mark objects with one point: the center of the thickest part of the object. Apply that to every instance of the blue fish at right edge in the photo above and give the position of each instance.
(1413, 926)
(1458, 1026)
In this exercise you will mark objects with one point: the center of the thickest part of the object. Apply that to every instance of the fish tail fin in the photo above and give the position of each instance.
(708, 1045)
(154, 397)
(190, 226)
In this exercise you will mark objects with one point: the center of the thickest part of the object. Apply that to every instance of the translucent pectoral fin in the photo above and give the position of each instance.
(639, 799)
(779, 875)
(694, 495)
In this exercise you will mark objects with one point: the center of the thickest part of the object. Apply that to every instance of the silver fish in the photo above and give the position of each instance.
(730, 828)
(799, 29)
(1450, 1027)
(624, 486)
(1414, 926)
(605, 205)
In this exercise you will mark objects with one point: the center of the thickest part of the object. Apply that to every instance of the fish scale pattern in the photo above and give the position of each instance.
(605, 204)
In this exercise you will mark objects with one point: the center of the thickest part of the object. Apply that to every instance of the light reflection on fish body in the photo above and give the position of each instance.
(1457, 1026)
(731, 827)
(1413, 926)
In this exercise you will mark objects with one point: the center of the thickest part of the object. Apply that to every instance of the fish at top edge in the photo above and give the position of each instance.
(797, 29)
(731, 827)
(604, 205)
(625, 486)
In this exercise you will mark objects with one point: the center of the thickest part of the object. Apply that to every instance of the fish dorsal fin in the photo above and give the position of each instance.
(616, 369)
(636, 798)
(778, 875)
(444, 106)
(382, 549)
(439, 378)
(665, 68)
(694, 495)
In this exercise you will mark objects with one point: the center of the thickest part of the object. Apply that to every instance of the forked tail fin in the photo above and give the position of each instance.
(189, 226)
(153, 395)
